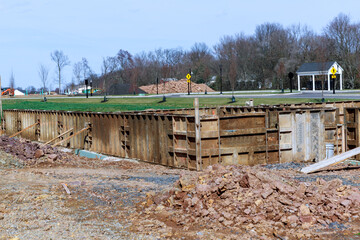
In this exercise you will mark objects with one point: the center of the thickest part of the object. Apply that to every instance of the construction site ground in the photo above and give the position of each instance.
(48, 194)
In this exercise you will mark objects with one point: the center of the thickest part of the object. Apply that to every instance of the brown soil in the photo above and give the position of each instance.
(126, 200)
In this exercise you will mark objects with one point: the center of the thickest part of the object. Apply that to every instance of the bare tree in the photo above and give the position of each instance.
(43, 74)
(61, 61)
(233, 75)
(12, 80)
(86, 70)
(77, 69)
(345, 37)
(109, 66)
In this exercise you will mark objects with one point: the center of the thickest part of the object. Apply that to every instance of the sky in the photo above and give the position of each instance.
(31, 29)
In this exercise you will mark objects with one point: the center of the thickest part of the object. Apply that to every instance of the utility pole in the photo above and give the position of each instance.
(220, 78)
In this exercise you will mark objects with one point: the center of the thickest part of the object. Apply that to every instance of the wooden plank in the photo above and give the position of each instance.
(331, 161)
(82, 130)
(59, 136)
(197, 135)
(66, 188)
(33, 125)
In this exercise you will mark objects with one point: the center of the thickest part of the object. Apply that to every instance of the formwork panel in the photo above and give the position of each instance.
(11, 122)
(48, 126)
(27, 119)
(242, 122)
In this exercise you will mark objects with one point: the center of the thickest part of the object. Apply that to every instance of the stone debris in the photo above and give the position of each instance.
(180, 86)
(237, 196)
(30, 152)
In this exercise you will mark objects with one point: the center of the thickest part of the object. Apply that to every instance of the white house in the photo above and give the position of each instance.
(317, 68)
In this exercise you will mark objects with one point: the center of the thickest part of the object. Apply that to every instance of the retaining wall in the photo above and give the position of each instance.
(180, 138)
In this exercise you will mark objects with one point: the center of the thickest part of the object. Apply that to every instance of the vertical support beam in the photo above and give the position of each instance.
(328, 78)
(299, 83)
(341, 88)
(313, 79)
(219, 137)
(307, 131)
(343, 139)
(197, 135)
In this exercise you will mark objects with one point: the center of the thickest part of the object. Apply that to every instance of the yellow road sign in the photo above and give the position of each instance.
(333, 70)
(188, 76)
(188, 80)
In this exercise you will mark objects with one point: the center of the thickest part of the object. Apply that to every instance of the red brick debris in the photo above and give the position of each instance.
(180, 86)
(29, 151)
(237, 196)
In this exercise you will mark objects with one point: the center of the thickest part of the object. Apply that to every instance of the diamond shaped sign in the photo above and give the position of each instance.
(333, 70)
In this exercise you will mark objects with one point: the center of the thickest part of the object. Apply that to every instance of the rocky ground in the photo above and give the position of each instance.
(48, 194)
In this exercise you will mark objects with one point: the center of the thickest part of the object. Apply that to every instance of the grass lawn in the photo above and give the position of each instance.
(136, 104)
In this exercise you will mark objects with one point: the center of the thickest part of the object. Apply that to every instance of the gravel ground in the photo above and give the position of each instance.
(107, 199)
(35, 205)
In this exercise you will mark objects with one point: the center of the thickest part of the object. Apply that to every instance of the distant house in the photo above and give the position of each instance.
(18, 93)
(320, 69)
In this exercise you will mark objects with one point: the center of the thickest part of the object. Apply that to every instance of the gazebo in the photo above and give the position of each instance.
(317, 69)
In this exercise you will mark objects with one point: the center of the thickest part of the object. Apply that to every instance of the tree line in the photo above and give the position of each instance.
(257, 61)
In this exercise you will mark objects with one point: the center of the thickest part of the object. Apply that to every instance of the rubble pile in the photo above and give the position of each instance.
(28, 151)
(180, 86)
(235, 196)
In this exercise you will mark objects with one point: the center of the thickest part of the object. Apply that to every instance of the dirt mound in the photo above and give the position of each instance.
(239, 196)
(180, 86)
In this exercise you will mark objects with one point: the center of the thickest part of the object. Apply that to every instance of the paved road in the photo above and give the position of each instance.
(347, 94)
(327, 95)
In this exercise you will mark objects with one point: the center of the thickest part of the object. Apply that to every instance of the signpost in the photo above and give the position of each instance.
(86, 87)
(157, 86)
(188, 76)
(333, 71)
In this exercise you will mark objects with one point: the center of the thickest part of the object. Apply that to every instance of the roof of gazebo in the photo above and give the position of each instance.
(317, 67)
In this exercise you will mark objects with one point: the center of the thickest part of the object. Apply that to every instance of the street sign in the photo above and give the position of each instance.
(188, 76)
(188, 80)
(290, 75)
(333, 71)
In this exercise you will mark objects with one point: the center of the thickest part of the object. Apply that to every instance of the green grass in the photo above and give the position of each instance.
(136, 104)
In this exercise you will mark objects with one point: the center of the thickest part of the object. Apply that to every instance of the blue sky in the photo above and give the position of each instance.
(31, 30)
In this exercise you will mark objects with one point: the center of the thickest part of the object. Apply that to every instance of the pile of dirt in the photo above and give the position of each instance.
(29, 152)
(180, 86)
(239, 196)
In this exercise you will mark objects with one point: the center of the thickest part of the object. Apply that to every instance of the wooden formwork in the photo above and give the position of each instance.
(304, 134)
(352, 128)
(178, 138)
